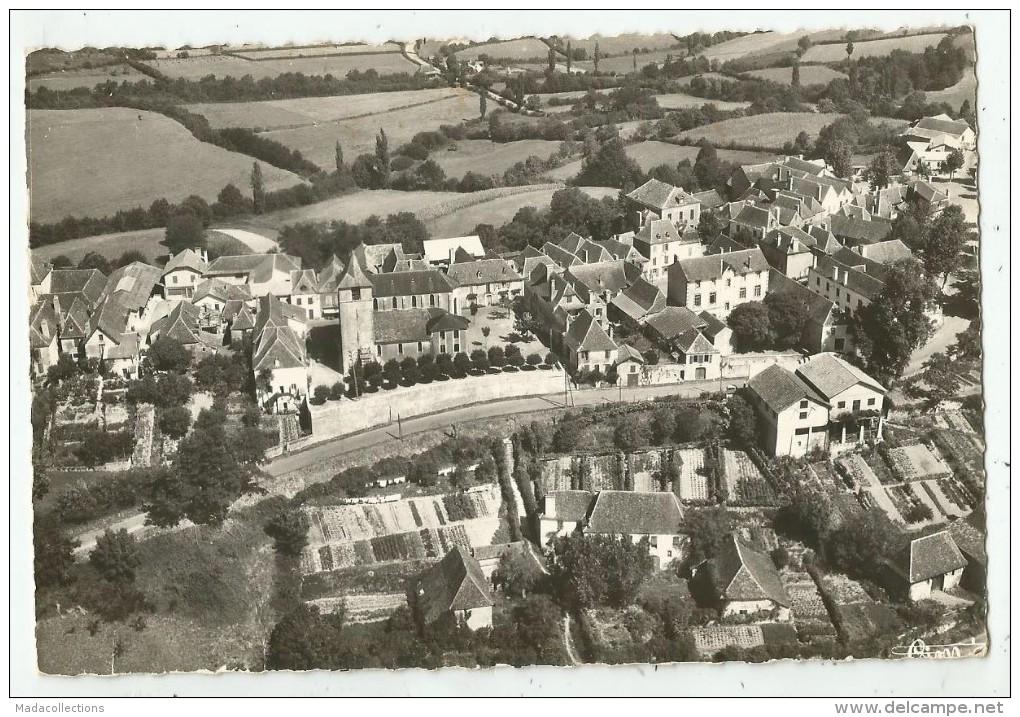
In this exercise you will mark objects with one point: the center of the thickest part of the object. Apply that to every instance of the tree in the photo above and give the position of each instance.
(115, 556)
(610, 167)
(896, 323)
(305, 640)
(882, 169)
(175, 421)
(709, 169)
(589, 570)
(338, 156)
(93, 260)
(184, 231)
(941, 379)
(567, 433)
(743, 424)
(289, 531)
(54, 553)
(497, 357)
(795, 78)
(382, 157)
(483, 99)
(130, 257)
(709, 529)
(534, 359)
(551, 59)
(258, 190)
(968, 343)
(598, 56)
(517, 573)
(480, 359)
(629, 433)
(839, 157)
(570, 56)
(462, 363)
(943, 243)
(710, 226)
(953, 163)
(787, 316)
(752, 327)
(392, 372)
(231, 202)
(663, 424)
(168, 354)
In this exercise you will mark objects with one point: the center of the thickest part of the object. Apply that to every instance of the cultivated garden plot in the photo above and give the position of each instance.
(857, 472)
(693, 481)
(345, 536)
(916, 462)
(745, 483)
(709, 640)
(809, 612)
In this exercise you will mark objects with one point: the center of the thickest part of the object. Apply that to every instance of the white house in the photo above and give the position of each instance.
(719, 282)
(747, 583)
(655, 516)
(457, 587)
(279, 361)
(443, 252)
(183, 272)
(933, 562)
(564, 511)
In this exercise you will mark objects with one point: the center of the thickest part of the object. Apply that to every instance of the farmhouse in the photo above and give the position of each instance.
(825, 397)
(718, 283)
(637, 302)
(110, 340)
(658, 200)
(589, 347)
(212, 296)
(489, 556)
(746, 582)
(655, 516)
(264, 273)
(456, 588)
(279, 361)
(927, 196)
(67, 285)
(931, 563)
(183, 272)
(484, 282)
(563, 512)
(942, 129)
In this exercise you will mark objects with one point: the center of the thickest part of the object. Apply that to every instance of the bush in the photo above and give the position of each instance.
(175, 421)
(320, 395)
(534, 359)
(336, 391)
(497, 358)
(480, 360)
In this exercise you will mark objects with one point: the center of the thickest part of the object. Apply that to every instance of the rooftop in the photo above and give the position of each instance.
(779, 388)
(659, 195)
(619, 512)
(454, 583)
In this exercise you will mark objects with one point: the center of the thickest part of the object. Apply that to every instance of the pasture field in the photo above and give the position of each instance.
(195, 68)
(809, 75)
(965, 89)
(685, 81)
(125, 158)
(679, 100)
(317, 50)
(488, 158)
(111, 246)
(624, 64)
(652, 153)
(761, 43)
(625, 43)
(836, 52)
(526, 48)
(768, 131)
(285, 114)
(53, 60)
(357, 135)
(72, 79)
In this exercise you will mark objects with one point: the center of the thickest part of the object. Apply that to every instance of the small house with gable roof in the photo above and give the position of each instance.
(932, 562)
(746, 582)
(454, 587)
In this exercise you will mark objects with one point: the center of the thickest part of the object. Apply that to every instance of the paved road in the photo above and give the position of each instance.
(588, 397)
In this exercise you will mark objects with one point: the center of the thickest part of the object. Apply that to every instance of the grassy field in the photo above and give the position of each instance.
(357, 135)
(71, 79)
(318, 50)
(526, 48)
(965, 89)
(194, 68)
(499, 210)
(487, 158)
(624, 64)
(282, 114)
(685, 81)
(768, 131)
(624, 44)
(678, 100)
(809, 75)
(125, 158)
(872, 48)
(148, 241)
(651, 153)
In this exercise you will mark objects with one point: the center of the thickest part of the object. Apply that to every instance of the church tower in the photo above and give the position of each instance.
(356, 315)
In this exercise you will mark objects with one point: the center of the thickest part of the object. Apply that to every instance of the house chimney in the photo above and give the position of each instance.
(44, 328)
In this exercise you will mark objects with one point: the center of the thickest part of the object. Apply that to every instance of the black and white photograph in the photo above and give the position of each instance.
(541, 348)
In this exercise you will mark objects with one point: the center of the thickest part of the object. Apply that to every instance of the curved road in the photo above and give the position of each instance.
(295, 462)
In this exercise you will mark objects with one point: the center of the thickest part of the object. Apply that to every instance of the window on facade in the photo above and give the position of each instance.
(803, 415)
(432, 299)
(837, 292)
(414, 302)
(857, 405)
(860, 303)
(729, 282)
(400, 349)
(742, 293)
(841, 404)
(828, 286)
(393, 302)
(757, 291)
(803, 404)
(871, 402)
(818, 281)
(840, 344)
(375, 304)
(697, 299)
(175, 278)
(356, 294)
(378, 349)
(653, 541)
(711, 298)
(727, 307)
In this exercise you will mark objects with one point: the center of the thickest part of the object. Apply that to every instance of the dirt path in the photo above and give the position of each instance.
(568, 641)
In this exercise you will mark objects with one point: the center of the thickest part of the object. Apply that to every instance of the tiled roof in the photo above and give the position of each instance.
(790, 240)
(657, 231)
(110, 317)
(411, 283)
(818, 307)
(259, 268)
(585, 334)
(885, 252)
(639, 299)
(950, 127)
(722, 244)
(932, 555)
(824, 240)
(454, 583)
(830, 375)
(219, 289)
(88, 283)
(746, 574)
(612, 276)
(126, 348)
(629, 353)
(659, 195)
(752, 216)
(274, 340)
(570, 505)
(401, 326)
(673, 321)
(804, 165)
(779, 388)
(692, 342)
(710, 199)
(621, 250)
(73, 317)
(856, 280)
(42, 325)
(859, 230)
(303, 281)
(242, 320)
(181, 324)
(483, 271)
(38, 270)
(234, 264)
(928, 192)
(969, 539)
(187, 259)
(619, 512)
(132, 285)
(705, 268)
